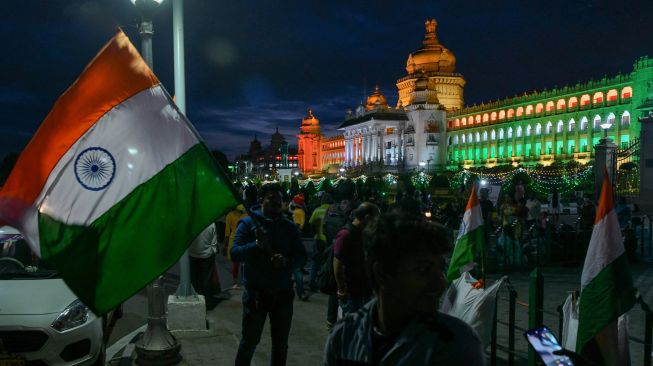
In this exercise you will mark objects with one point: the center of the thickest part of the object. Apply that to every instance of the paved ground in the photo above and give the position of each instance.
(218, 345)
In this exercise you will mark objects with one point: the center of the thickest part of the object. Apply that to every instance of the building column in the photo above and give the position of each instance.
(400, 143)
(382, 147)
(375, 148)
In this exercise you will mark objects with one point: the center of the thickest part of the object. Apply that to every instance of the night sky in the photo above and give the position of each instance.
(253, 66)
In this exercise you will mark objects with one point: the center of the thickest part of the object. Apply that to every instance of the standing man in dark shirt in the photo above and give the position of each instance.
(354, 288)
(269, 252)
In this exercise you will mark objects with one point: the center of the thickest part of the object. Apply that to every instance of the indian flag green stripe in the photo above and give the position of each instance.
(462, 259)
(608, 295)
(142, 235)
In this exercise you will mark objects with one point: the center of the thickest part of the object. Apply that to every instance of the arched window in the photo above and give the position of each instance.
(528, 130)
(549, 128)
(584, 100)
(549, 106)
(509, 132)
(561, 104)
(484, 135)
(457, 123)
(493, 135)
(486, 117)
(625, 119)
(610, 120)
(463, 121)
(502, 115)
(478, 137)
(462, 138)
(572, 125)
(520, 111)
(612, 95)
(538, 129)
(559, 127)
(493, 116)
(455, 140)
(470, 121)
(469, 138)
(597, 122)
(501, 134)
(478, 119)
(539, 108)
(583, 123)
(597, 98)
(573, 102)
(627, 92)
(518, 133)
(511, 113)
(529, 110)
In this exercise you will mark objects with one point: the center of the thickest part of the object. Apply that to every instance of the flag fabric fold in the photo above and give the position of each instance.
(470, 238)
(606, 284)
(115, 183)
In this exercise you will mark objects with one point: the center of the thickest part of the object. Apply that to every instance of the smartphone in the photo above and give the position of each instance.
(544, 343)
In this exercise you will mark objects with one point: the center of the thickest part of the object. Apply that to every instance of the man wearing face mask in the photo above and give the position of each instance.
(404, 256)
(270, 247)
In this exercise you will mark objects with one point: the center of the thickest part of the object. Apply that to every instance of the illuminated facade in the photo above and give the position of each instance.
(560, 124)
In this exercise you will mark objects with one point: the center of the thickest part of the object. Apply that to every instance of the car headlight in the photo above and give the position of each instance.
(73, 316)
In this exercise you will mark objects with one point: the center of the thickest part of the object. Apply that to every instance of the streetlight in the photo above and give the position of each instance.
(422, 165)
(606, 126)
(157, 346)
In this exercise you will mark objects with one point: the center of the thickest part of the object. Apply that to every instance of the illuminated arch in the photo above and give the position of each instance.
(583, 124)
(610, 119)
(484, 135)
(502, 115)
(539, 108)
(457, 123)
(573, 102)
(561, 104)
(529, 110)
(509, 134)
(538, 129)
(493, 116)
(470, 121)
(478, 137)
(478, 118)
(493, 135)
(571, 126)
(455, 140)
(501, 134)
(597, 98)
(612, 95)
(584, 100)
(625, 119)
(511, 113)
(520, 111)
(559, 127)
(486, 117)
(549, 106)
(596, 122)
(528, 130)
(469, 138)
(549, 128)
(626, 92)
(518, 133)
(462, 138)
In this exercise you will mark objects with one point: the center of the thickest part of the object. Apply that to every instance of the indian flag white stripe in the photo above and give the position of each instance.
(472, 219)
(138, 152)
(607, 247)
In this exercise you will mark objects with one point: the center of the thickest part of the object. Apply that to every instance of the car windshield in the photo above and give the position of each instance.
(18, 262)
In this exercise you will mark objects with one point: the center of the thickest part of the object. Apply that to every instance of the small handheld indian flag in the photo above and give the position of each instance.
(115, 183)
(470, 237)
(606, 284)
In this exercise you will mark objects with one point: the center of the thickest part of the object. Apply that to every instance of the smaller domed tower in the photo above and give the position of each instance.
(309, 143)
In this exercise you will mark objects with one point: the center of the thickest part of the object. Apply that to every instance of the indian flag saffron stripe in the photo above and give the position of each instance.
(606, 284)
(97, 90)
(127, 197)
(470, 236)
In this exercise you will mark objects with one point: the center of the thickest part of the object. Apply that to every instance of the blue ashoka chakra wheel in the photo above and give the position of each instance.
(95, 168)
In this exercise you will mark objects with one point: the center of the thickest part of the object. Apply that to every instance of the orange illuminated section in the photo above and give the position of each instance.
(626, 92)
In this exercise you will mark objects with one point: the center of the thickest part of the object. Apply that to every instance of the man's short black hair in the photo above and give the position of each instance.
(392, 236)
(269, 187)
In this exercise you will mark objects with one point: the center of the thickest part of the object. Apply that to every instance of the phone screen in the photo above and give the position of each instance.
(544, 343)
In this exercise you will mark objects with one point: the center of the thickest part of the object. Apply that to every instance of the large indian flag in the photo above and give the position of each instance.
(470, 237)
(115, 183)
(606, 284)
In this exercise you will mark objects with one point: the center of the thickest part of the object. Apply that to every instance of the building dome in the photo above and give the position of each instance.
(433, 56)
(376, 100)
(310, 120)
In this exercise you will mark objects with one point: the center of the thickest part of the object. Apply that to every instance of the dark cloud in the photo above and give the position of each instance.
(253, 66)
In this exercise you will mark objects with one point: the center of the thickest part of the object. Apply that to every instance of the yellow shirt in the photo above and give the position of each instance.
(231, 223)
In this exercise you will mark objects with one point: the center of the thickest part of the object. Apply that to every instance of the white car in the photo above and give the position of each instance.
(41, 321)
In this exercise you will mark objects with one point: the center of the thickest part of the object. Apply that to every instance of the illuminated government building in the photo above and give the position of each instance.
(430, 128)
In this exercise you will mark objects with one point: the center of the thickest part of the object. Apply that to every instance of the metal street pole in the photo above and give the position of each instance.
(185, 288)
(157, 346)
